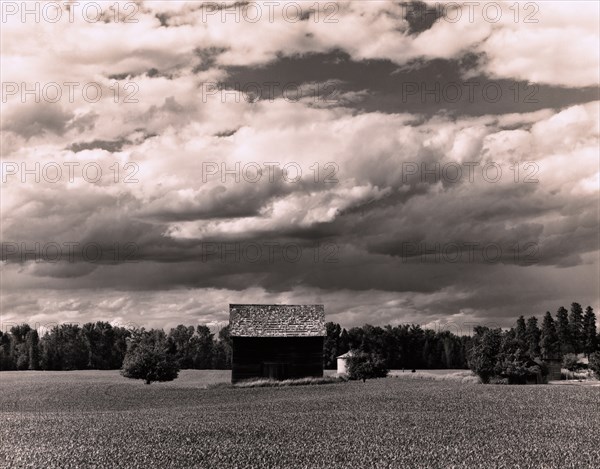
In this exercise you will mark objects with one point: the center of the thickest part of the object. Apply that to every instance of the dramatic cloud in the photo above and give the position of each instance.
(313, 161)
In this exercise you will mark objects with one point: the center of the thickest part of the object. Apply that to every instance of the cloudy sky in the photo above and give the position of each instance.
(396, 162)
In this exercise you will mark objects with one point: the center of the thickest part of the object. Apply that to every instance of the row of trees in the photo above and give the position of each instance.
(404, 346)
(512, 356)
(66, 347)
(102, 346)
(489, 352)
(576, 330)
(516, 355)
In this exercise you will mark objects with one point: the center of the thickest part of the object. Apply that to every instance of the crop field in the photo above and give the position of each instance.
(99, 419)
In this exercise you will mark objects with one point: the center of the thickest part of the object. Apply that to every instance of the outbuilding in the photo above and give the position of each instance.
(276, 341)
(342, 363)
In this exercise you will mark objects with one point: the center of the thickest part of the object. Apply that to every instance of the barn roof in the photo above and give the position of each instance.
(276, 320)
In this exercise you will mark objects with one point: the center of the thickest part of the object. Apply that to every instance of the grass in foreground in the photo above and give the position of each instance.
(99, 418)
(461, 376)
(271, 383)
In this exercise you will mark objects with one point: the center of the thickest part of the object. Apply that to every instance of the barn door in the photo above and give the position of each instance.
(275, 370)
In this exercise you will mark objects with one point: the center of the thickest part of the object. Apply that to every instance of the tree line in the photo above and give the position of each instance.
(101, 346)
(403, 346)
(488, 351)
(520, 353)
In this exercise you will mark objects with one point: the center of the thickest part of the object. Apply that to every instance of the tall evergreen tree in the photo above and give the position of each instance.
(533, 337)
(562, 329)
(589, 331)
(549, 343)
(521, 334)
(576, 327)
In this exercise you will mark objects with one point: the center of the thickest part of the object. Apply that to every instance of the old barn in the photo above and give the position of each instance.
(276, 341)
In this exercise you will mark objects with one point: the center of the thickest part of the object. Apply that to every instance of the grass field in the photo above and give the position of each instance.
(97, 418)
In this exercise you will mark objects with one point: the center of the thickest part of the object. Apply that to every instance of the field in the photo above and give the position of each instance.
(95, 418)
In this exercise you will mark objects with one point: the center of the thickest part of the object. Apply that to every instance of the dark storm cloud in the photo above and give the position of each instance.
(226, 133)
(217, 202)
(354, 253)
(369, 234)
(115, 145)
(226, 201)
(421, 87)
(108, 145)
(504, 219)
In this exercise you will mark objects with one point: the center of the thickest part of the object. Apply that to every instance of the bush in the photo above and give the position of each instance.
(594, 364)
(483, 354)
(366, 366)
(570, 362)
(147, 358)
(517, 368)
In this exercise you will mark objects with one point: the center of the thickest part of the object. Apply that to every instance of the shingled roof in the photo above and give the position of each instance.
(276, 320)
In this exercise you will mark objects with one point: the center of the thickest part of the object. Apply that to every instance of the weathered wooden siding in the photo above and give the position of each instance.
(554, 369)
(276, 357)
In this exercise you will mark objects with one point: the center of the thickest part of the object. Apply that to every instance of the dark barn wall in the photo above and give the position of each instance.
(554, 369)
(276, 357)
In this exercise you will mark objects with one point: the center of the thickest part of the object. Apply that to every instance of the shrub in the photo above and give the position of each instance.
(594, 364)
(518, 368)
(365, 366)
(570, 362)
(483, 354)
(147, 358)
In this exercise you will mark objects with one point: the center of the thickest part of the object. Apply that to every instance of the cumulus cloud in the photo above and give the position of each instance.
(192, 178)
